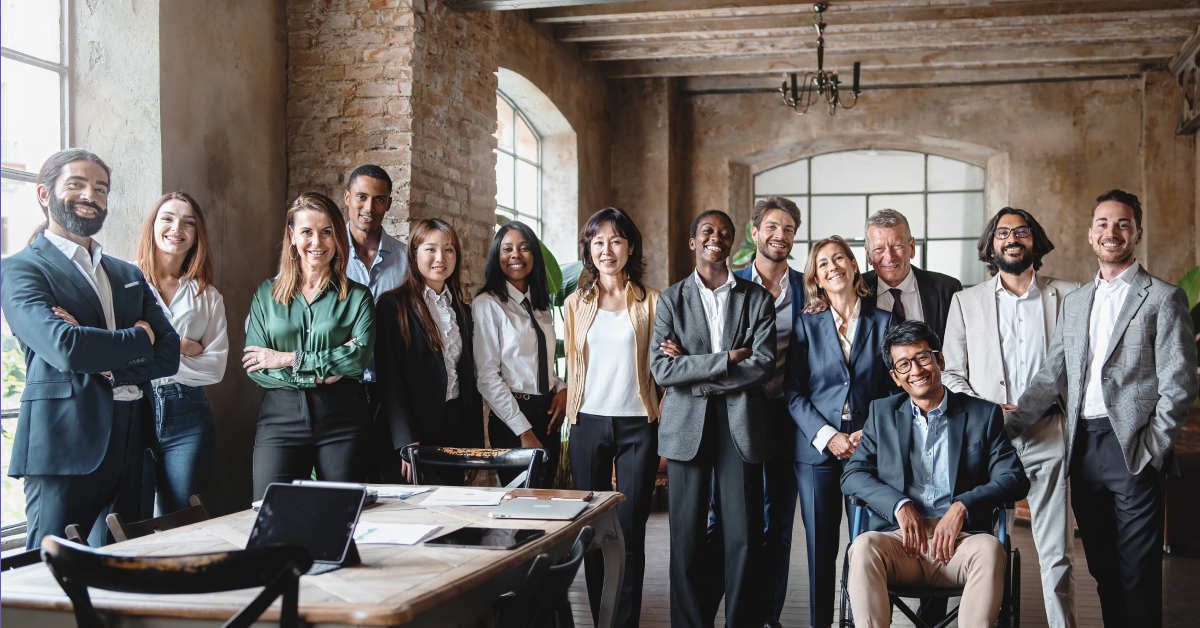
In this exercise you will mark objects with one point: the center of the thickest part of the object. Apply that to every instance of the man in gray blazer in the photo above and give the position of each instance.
(1124, 356)
(1011, 320)
(716, 339)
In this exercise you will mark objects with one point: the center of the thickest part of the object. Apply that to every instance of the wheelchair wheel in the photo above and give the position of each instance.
(845, 613)
(1015, 599)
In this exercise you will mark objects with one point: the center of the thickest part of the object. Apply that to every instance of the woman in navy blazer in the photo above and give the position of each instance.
(835, 371)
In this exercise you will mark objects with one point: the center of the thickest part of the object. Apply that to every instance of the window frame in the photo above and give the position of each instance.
(519, 114)
(63, 69)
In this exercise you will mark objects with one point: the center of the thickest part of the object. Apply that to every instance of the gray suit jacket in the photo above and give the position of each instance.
(1149, 373)
(974, 362)
(692, 378)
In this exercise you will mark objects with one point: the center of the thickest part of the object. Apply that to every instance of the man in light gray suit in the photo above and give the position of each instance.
(1011, 319)
(1124, 356)
(716, 339)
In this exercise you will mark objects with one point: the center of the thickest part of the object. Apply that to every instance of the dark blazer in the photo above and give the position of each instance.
(984, 469)
(936, 291)
(819, 382)
(691, 378)
(66, 409)
(412, 382)
(783, 428)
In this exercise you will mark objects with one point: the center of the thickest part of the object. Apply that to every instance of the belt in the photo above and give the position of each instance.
(173, 389)
(528, 396)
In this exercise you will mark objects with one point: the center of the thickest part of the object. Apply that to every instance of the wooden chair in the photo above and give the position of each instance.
(74, 535)
(122, 531)
(276, 567)
(527, 460)
(20, 559)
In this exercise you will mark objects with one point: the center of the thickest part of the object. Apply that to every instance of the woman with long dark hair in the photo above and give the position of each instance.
(424, 356)
(310, 338)
(514, 349)
(612, 400)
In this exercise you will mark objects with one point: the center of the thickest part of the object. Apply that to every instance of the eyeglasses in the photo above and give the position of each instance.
(1002, 233)
(923, 358)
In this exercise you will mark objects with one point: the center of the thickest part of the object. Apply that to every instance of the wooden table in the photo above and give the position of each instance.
(418, 585)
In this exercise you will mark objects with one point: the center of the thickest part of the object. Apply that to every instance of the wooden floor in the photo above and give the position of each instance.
(1181, 576)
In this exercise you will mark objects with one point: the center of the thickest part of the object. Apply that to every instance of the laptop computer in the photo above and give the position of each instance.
(533, 508)
(319, 517)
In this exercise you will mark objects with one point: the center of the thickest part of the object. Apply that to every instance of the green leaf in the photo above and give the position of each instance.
(554, 276)
(571, 273)
(502, 220)
(1190, 282)
(743, 257)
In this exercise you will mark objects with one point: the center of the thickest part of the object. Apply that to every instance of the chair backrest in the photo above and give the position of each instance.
(276, 567)
(122, 531)
(73, 534)
(527, 460)
(20, 559)
(553, 591)
(514, 609)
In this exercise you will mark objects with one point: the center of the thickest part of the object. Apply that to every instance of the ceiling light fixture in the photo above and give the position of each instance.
(801, 95)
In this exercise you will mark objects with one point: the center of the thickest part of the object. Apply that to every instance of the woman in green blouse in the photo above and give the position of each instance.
(310, 337)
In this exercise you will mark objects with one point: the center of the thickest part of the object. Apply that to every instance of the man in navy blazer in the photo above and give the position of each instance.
(932, 466)
(93, 338)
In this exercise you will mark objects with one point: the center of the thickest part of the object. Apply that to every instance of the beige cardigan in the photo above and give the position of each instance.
(579, 312)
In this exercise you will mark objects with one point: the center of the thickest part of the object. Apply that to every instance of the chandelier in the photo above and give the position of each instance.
(800, 95)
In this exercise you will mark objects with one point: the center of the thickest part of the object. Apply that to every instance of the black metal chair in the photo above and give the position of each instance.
(1010, 604)
(20, 559)
(276, 567)
(122, 531)
(542, 602)
(512, 610)
(527, 460)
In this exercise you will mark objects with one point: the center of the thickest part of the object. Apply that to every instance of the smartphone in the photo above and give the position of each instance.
(487, 538)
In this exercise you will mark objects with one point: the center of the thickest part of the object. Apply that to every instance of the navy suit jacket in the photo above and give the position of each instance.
(66, 409)
(783, 430)
(984, 469)
(820, 382)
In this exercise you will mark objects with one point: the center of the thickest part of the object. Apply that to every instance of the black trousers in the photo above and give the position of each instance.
(534, 408)
(52, 502)
(821, 505)
(632, 442)
(324, 427)
(388, 461)
(1120, 518)
(740, 510)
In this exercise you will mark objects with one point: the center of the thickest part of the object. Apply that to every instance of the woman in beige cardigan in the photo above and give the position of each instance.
(612, 402)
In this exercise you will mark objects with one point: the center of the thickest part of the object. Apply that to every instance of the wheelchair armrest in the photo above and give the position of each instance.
(854, 501)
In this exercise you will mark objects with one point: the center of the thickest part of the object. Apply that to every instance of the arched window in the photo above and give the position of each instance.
(518, 167)
(942, 199)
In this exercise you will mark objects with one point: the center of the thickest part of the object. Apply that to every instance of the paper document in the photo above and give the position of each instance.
(399, 492)
(455, 496)
(392, 533)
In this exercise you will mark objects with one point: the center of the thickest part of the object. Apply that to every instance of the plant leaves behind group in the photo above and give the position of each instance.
(554, 276)
(1190, 282)
(502, 220)
(571, 274)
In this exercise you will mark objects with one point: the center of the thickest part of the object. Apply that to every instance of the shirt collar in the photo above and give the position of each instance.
(936, 412)
(515, 294)
(908, 284)
(387, 245)
(1030, 293)
(730, 280)
(69, 248)
(445, 297)
(757, 278)
(1126, 276)
(837, 318)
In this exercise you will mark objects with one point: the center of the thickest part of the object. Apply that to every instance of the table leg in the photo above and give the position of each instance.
(611, 544)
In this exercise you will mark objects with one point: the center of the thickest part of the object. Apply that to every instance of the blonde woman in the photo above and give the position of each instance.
(174, 255)
(310, 338)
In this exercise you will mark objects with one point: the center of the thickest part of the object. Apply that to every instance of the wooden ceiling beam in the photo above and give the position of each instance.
(927, 78)
(469, 6)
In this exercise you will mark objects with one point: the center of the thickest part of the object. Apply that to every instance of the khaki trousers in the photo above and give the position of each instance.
(877, 559)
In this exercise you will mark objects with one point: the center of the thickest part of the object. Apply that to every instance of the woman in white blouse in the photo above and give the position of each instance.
(423, 357)
(175, 257)
(514, 350)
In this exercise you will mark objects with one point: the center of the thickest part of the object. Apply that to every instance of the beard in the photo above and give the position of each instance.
(63, 213)
(764, 249)
(1013, 267)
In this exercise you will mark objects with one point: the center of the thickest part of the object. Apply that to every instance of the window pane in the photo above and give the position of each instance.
(911, 205)
(527, 143)
(951, 174)
(786, 179)
(32, 27)
(838, 215)
(863, 171)
(21, 214)
(799, 256)
(956, 215)
(504, 180)
(959, 259)
(30, 115)
(504, 122)
(527, 188)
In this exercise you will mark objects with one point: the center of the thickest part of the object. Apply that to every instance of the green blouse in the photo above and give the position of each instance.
(320, 330)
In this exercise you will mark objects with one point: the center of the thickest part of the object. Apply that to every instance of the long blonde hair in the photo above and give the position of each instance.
(289, 277)
(197, 264)
(814, 295)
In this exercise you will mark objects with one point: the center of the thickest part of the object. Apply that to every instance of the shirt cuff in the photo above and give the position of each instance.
(824, 435)
(896, 514)
(518, 424)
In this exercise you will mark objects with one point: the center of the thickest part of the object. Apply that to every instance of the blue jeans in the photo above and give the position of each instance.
(184, 446)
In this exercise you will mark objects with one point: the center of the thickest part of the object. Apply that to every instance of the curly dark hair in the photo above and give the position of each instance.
(635, 266)
(1041, 242)
(1121, 196)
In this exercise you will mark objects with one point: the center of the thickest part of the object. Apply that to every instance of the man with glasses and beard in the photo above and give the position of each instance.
(93, 338)
(1011, 319)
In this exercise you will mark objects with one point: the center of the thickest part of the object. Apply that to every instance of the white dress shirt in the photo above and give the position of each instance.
(1022, 336)
(506, 354)
(783, 331)
(1106, 307)
(200, 318)
(612, 381)
(910, 297)
(441, 308)
(846, 340)
(715, 303)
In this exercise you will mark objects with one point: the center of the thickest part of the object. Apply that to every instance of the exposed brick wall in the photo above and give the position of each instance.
(408, 85)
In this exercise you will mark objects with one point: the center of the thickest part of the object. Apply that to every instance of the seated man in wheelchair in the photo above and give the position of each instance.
(932, 466)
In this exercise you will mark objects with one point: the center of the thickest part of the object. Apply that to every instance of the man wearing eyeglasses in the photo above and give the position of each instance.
(1011, 319)
(932, 465)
